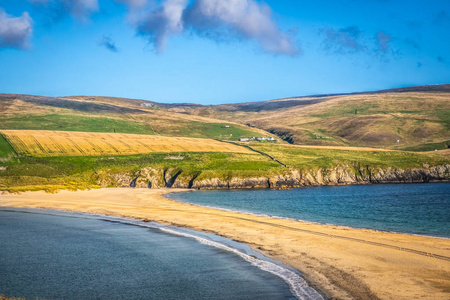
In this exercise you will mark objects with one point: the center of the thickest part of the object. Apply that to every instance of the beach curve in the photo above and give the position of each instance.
(341, 262)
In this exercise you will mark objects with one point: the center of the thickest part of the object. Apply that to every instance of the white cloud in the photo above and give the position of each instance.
(245, 18)
(80, 9)
(15, 32)
(216, 19)
(159, 24)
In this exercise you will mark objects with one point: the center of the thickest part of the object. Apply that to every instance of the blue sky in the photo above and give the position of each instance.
(221, 51)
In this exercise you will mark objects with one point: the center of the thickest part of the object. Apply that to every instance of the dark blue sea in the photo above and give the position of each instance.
(47, 254)
(422, 209)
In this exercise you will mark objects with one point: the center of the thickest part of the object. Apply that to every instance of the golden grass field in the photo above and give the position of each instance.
(44, 143)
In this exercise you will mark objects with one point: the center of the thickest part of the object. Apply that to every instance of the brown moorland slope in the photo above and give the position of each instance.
(414, 118)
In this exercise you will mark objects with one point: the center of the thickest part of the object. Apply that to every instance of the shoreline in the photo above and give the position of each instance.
(340, 262)
(298, 287)
(167, 196)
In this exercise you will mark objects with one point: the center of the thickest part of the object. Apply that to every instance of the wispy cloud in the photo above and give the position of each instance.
(15, 32)
(383, 40)
(215, 19)
(137, 8)
(441, 19)
(159, 24)
(80, 9)
(345, 40)
(352, 40)
(108, 43)
(413, 43)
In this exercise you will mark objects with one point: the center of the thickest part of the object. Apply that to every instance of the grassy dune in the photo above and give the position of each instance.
(39, 143)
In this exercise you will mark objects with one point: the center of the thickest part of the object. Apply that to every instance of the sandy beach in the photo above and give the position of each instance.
(341, 262)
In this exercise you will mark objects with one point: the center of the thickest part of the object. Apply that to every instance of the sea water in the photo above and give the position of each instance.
(55, 255)
(407, 208)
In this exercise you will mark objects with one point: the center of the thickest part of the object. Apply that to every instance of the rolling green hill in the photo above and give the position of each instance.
(101, 114)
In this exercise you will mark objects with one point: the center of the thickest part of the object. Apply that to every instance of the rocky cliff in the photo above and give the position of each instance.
(287, 178)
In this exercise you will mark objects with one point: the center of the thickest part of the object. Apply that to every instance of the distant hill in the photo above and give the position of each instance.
(109, 114)
(411, 118)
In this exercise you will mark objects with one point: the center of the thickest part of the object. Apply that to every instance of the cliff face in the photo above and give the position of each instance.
(288, 178)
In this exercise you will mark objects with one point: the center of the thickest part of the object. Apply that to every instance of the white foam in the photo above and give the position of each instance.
(297, 284)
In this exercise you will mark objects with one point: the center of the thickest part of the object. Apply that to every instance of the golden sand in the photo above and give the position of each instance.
(341, 262)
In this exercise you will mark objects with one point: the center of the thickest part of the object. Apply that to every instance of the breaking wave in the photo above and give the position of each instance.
(298, 286)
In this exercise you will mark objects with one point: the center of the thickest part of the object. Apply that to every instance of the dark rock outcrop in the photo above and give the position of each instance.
(288, 178)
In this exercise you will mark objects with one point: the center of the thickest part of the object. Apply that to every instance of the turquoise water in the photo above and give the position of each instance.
(408, 208)
(54, 255)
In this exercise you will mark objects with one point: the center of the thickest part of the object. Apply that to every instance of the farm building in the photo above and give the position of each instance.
(271, 139)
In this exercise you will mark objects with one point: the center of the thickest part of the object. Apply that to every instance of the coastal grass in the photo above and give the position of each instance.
(52, 161)
(429, 146)
(41, 143)
(6, 151)
(26, 173)
(301, 157)
(81, 172)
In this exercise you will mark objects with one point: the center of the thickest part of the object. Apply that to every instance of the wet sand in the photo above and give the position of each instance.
(341, 262)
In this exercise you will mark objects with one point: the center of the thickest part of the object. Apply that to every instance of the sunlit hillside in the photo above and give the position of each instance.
(113, 115)
(416, 119)
(41, 143)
